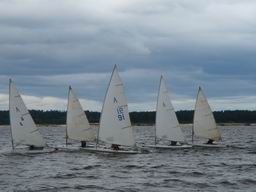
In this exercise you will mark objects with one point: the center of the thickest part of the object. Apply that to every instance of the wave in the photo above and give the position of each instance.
(65, 176)
(227, 183)
(86, 187)
(247, 181)
(184, 182)
(133, 167)
(87, 167)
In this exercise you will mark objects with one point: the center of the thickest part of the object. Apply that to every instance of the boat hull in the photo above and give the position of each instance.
(210, 145)
(72, 147)
(168, 146)
(103, 150)
(36, 151)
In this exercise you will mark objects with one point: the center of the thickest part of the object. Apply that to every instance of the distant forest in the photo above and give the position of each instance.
(138, 118)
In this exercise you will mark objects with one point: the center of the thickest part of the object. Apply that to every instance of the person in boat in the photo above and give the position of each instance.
(210, 142)
(33, 147)
(83, 144)
(115, 147)
(173, 143)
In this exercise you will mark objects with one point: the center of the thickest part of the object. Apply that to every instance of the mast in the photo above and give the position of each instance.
(194, 115)
(10, 81)
(159, 86)
(97, 140)
(69, 89)
(193, 133)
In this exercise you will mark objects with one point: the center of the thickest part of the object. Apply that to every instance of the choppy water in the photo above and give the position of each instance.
(228, 169)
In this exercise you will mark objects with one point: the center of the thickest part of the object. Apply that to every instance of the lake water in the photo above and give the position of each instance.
(225, 169)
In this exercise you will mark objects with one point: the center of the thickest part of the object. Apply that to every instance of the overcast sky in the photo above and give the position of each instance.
(46, 45)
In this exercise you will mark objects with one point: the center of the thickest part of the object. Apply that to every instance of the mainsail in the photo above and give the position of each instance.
(115, 125)
(204, 122)
(23, 128)
(167, 125)
(78, 127)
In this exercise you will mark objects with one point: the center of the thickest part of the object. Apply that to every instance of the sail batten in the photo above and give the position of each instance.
(204, 122)
(115, 124)
(78, 127)
(167, 125)
(23, 128)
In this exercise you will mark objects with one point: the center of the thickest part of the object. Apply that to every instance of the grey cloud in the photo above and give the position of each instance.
(46, 45)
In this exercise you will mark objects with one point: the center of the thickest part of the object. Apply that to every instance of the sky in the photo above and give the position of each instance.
(47, 45)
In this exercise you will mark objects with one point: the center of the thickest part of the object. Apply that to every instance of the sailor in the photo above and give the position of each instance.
(83, 143)
(210, 142)
(115, 147)
(173, 143)
(33, 147)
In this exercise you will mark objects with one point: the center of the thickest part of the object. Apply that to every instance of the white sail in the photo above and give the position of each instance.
(23, 128)
(167, 125)
(204, 122)
(78, 127)
(115, 125)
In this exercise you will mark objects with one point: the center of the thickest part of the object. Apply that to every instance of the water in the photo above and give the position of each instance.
(225, 169)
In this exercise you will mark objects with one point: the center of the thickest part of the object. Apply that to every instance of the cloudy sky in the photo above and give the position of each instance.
(46, 45)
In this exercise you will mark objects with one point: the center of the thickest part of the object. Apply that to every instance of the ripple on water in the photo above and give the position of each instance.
(231, 169)
(195, 174)
(65, 176)
(87, 167)
(133, 167)
(227, 183)
(247, 181)
(158, 166)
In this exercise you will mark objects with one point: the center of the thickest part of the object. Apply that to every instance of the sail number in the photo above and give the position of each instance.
(120, 113)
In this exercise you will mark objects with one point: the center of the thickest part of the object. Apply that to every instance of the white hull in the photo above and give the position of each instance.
(26, 150)
(209, 145)
(72, 147)
(169, 146)
(106, 150)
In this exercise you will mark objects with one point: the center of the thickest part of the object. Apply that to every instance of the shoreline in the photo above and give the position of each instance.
(140, 124)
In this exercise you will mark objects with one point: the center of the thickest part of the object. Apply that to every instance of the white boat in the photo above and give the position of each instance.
(24, 150)
(24, 133)
(115, 125)
(78, 127)
(111, 151)
(178, 146)
(204, 125)
(167, 129)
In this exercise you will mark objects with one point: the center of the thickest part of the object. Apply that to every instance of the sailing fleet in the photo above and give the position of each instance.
(115, 133)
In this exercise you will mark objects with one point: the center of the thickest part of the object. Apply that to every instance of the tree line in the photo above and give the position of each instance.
(139, 118)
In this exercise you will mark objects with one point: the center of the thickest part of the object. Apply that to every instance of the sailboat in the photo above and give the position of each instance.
(78, 127)
(168, 133)
(24, 133)
(204, 125)
(115, 125)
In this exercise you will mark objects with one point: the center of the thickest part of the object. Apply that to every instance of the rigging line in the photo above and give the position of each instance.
(126, 127)
(24, 114)
(34, 131)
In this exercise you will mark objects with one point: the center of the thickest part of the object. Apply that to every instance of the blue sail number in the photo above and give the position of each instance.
(120, 113)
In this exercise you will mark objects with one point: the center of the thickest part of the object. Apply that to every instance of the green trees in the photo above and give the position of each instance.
(139, 118)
